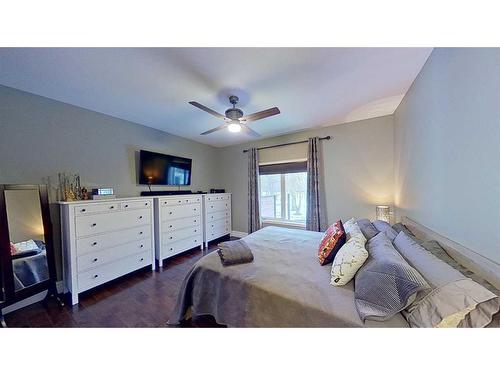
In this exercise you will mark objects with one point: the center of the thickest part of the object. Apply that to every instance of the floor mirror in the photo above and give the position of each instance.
(27, 260)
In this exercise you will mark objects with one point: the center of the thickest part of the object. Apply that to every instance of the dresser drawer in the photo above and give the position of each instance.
(180, 234)
(218, 206)
(178, 201)
(218, 215)
(218, 197)
(110, 271)
(134, 205)
(218, 232)
(171, 225)
(182, 245)
(179, 212)
(93, 208)
(98, 258)
(218, 224)
(101, 223)
(103, 241)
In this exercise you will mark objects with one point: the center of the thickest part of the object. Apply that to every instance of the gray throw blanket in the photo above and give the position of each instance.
(234, 252)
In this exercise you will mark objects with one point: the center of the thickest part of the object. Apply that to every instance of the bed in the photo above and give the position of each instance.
(286, 287)
(30, 267)
(283, 287)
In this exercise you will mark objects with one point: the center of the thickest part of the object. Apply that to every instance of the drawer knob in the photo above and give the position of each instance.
(170, 213)
(126, 206)
(112, 207)
(94, 224)
(195, 209)
(83, 210)
(141, 246)
(96, 276)
(169, 238)
(170, 226)
(179, 201)
(195, 221)
(142, 259)
(171, 248)
(195, 240)
(140, 217)
(187, 200)
(146, 203)
(195, 231)
(95, 260)
(94, 243)
(140, 232)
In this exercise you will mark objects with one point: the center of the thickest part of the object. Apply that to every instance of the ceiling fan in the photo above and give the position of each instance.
(234, 119)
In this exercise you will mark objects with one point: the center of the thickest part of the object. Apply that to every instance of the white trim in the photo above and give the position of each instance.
(283, 223)
(31, 300)
(235, 233)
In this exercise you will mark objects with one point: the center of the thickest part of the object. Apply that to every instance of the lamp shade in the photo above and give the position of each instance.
(384, 213)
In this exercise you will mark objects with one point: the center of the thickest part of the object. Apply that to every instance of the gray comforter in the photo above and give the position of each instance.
(284, 286)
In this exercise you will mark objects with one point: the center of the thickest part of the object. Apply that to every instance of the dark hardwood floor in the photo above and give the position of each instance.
(141, 299)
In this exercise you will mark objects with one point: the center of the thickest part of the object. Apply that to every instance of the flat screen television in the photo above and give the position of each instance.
(161, 169)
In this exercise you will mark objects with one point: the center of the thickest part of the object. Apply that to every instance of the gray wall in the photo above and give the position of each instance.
(447, 148)
(358, 169)
(40, 137)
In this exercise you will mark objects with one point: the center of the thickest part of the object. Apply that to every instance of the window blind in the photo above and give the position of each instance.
(281, 168)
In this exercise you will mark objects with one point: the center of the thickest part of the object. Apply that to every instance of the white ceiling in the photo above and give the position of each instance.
(312, 87)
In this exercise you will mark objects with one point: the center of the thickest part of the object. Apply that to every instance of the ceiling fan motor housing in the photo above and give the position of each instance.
(234, 113)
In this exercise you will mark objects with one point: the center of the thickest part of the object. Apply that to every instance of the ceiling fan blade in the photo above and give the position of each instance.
(215, 129)
(260, 115)
(249, 131)
(206, 109)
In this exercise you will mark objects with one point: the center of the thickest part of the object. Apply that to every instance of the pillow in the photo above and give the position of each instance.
(349, 222)
(349, 258)
(381, 225)
(385, 227)
(13, 249)
(331, 243)
(26, 245)
(435, 248)
(386, 284)
(454, 301)
(369, 231)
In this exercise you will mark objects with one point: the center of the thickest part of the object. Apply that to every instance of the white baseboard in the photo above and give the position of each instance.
(31, 300)
(235, 233)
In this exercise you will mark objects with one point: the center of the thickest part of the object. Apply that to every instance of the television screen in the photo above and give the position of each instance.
(160, 169)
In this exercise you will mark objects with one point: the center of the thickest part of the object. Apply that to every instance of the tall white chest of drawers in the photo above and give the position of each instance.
(216, 216)
(178, 224)
(103, 240)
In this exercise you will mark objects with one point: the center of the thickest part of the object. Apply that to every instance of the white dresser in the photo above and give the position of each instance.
(178, 224)
(216, 216)
(105, 239)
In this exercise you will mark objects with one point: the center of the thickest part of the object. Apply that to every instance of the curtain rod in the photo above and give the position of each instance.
(290, 143)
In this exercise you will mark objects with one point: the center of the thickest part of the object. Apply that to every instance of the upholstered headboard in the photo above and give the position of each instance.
(486, 268)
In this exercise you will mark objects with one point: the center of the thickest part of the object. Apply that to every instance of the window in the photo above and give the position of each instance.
(283, 189)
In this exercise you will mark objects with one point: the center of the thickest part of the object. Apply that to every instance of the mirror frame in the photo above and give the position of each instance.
(11, 295)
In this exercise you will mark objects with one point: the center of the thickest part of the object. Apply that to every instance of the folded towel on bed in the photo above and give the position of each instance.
(234, 252)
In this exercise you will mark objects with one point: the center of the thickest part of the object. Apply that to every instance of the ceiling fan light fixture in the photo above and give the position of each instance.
(234, 128)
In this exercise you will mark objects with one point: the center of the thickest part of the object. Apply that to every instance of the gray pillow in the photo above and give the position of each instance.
(385, 227)
(437, 250)
(400, 227)
(386, 284)
(367, 228)
(453, 294)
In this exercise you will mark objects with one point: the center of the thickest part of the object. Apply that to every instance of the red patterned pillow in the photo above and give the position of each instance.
(331, 243)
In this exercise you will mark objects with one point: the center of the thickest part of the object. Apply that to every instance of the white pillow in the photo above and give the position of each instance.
(26, 245)
(350, 257)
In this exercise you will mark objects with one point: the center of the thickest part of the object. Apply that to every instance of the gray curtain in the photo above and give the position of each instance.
(253, 191)
(314, 215)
